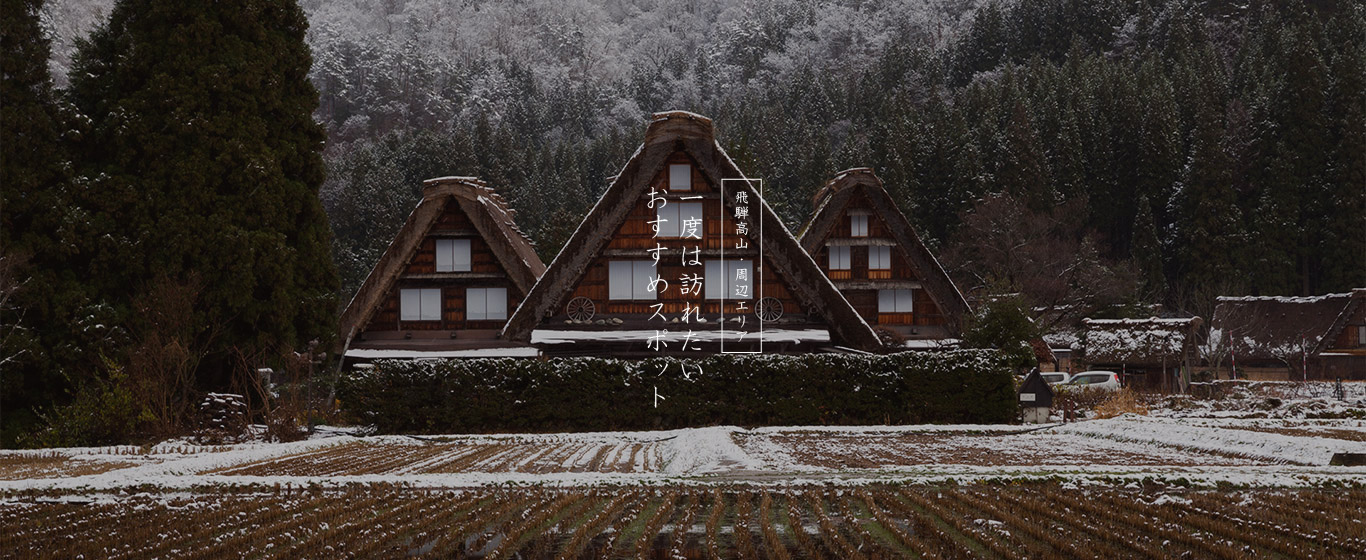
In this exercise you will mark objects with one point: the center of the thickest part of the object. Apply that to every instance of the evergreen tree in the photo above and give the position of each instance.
(205, 163)
(1343, 255)
(1024, 168)
(38, 292)
(984, 46)
(1209, 222)
(1292, 147)
(1147, 253)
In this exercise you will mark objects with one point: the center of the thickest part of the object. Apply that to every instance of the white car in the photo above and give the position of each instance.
(1055, 377)
(1107, 380)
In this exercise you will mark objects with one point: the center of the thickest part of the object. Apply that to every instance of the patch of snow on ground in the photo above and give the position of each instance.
(1260, 445)
(706, 450)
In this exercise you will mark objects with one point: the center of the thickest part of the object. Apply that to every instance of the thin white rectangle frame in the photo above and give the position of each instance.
(758, 279)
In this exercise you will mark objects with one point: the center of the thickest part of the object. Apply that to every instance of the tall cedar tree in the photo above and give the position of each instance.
(39, 291)
(205, 167)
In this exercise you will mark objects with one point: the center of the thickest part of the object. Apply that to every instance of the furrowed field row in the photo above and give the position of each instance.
(877, 522)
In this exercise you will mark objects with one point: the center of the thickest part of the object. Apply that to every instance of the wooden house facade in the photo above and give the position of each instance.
(867, 247)
(449, 281)
(679, 256)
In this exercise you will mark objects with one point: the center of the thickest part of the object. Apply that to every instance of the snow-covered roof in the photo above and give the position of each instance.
(1271, 328)
(556, 336)
(388, 354)
(1283, 299)
(1135, 341)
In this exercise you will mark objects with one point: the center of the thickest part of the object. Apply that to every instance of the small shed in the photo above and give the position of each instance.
(1036, 398)
(1153, 353)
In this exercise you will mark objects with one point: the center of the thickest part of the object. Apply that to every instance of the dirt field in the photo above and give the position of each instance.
(1008, 521)
(1229, 478)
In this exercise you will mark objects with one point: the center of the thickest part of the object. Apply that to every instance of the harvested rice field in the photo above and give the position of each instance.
(1127, 487)
(1045, 520)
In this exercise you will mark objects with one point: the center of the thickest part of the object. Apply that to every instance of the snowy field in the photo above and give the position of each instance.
(1233, 477)
(1244, 451)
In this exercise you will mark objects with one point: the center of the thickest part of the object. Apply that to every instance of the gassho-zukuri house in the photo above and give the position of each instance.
(1280, 338)
(680, 257)
(869, 250)
(448, 282)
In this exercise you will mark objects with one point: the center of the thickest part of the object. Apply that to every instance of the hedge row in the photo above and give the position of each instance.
(594, 394)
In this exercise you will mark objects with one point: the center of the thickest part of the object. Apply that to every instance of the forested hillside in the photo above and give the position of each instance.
(1197, 147)
(1093, 157)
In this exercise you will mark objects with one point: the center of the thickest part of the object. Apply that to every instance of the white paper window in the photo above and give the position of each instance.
(880, 257)
(485, 304)
(680, 219)
(839, 257)
(738, 280)
(419, 304)
(858, 225)
(1361, 336)
(680, 177)
(894, 301)
(630, 280)
(452, 255)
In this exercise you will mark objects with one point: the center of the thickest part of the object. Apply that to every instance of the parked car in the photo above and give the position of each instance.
(1107, 380)
(1055, 377)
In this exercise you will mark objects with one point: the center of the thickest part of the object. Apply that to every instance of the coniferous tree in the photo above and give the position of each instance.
(1343, 254)
(1291, 148)
(39, 292)
(1209, 222)
(1147, 253)
(204, 163)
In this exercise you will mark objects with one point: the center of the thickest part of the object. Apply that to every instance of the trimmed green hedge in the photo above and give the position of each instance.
(593, 394)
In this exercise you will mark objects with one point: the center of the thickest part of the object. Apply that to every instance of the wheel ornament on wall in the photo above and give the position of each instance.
(769, 309)
(580, 309)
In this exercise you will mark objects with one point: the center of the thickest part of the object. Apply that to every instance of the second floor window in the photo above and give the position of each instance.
(484, 304)
(452, 255)
(839, 257)
(736, 280)
(631, 280)
(879, 257)
(680, 219)
(419, 304)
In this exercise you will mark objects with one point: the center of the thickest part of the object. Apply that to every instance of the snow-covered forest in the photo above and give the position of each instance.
(1198, 147)
(1093, 157)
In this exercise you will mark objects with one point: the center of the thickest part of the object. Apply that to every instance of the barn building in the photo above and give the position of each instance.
(448, 282)
(867, 247)
(666, 263)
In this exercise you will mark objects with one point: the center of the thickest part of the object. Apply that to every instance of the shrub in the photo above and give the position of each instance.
(488, 395)
(103, 411)
(1003, 323)
(1123, 401)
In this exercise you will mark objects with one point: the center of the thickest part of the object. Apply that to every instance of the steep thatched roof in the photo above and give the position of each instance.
(1357, 299)
(669, 132)
(492, 218)
(1136, 341)
(833, 199)
(1267, 328)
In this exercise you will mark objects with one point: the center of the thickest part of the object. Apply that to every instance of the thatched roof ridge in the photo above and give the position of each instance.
(831, 201)
(1271, 327)
(492, 218)
(695, 135)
